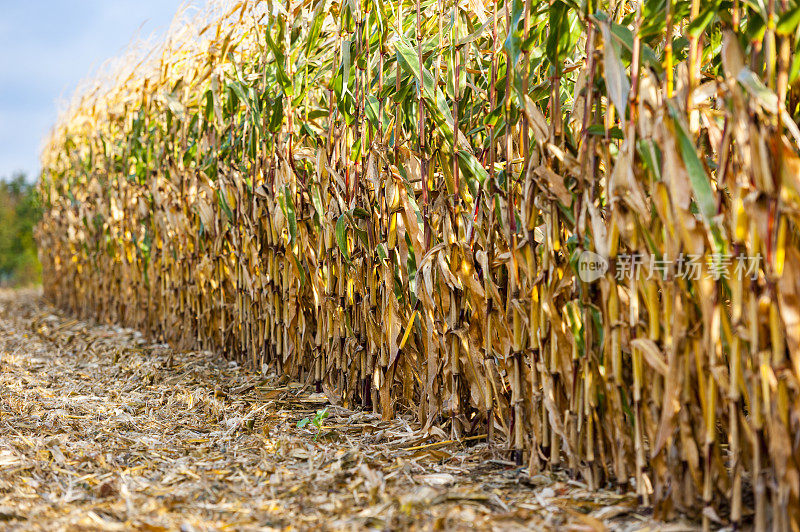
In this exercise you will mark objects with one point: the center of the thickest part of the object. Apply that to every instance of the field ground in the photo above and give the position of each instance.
(100, 429)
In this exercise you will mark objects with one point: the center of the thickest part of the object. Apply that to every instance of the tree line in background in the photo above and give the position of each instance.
(19, 213)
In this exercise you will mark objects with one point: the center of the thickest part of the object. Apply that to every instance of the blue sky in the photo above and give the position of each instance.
(46, 48)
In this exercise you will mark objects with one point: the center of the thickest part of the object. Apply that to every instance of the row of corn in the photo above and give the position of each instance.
(572, 227)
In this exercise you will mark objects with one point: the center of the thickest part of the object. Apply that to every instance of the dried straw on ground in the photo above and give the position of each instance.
(287, 184)
(103, 430)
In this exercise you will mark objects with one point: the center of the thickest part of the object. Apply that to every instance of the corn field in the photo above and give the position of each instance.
(394, 202)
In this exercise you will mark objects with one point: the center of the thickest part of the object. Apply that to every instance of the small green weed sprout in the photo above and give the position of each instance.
(316, 420)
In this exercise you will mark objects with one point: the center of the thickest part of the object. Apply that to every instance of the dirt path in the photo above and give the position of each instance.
(98, 431)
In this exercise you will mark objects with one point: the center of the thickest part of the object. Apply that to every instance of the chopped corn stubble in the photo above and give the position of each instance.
(101, 429)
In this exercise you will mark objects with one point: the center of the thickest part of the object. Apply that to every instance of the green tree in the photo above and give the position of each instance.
(19, 213)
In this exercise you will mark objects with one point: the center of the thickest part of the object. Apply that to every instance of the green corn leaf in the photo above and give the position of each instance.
(513, 41)
(371, 109)
(788, 21)
(341, 235)
(698, 25)
(624, 36)
(316, 200)
(223, 203)
(558, 36)
(704, 195)
(301, 269)
(287, 205)
(316, 27)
